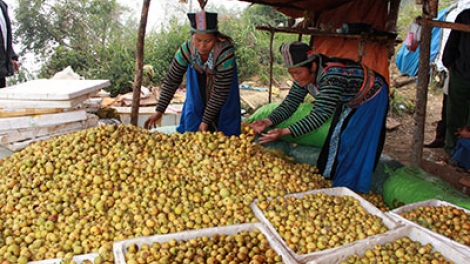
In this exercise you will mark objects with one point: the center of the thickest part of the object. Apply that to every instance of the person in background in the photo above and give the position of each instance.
(461, 153)
(8, 58)
(443, 76)
(456, 58)
(355, 97)
(439, 139)
(212, 94)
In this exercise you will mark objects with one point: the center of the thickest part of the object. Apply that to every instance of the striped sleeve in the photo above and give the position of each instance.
(289, 105)
(174, 77)
(224, 71)
(323, 108)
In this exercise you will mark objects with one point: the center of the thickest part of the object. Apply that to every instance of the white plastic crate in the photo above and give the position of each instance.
(338, 191)
(395, 214)
(415, 234)
(120, 247)
(78, 259)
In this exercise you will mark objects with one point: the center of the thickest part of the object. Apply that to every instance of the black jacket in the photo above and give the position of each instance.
(6, 66)
(456, 55)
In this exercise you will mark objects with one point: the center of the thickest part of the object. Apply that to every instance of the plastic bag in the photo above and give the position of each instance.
(409, 185)
(413, 37)
(315, 138)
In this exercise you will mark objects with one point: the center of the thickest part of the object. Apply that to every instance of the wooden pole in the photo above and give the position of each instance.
(445, 24)
(139, 63)
(421, 94)
(271, 63)
(392, 24)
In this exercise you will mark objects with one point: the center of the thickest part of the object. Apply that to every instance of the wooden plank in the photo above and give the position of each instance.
(445, 24)
(9, 112)
(128, 110)
(171, 109)
(49, 89)
(43, 104)
(9, 123)
(247, 102)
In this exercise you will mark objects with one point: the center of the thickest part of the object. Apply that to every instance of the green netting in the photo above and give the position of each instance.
(314, 139)
(412, 184)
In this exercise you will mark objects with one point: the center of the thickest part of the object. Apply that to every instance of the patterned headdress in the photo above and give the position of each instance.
(296, 54)
(203, 22)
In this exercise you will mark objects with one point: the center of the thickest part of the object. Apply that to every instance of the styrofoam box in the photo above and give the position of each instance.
(395, 214)
(49, 89)
(337, 191)
(415, 234)
(78, 259)
(120, 247)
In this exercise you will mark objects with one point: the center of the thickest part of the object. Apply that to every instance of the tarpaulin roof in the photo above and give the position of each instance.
(296, 8)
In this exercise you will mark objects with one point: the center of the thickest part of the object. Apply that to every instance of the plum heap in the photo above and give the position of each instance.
(446, 220)
(250, 246)
(401, 250)
(319, 221)
(80, 192)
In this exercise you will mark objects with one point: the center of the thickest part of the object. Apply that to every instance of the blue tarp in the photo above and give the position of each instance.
(407, 61)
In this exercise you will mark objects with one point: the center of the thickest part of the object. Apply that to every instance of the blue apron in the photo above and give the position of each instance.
(229, 119)
(359, 143)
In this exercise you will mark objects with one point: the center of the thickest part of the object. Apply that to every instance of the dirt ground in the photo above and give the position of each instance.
(399, 141)
(400, 134)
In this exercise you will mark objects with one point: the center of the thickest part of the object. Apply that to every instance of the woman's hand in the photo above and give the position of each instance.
(203, 127)
(151, 122)
(16, 65)
(273, 134)
(260, 125)
(463, 132)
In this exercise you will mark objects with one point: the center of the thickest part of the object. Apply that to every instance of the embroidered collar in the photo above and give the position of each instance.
(204, 65)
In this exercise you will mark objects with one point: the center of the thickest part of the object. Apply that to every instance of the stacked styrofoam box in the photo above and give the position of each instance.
(395, 214)
(338, 191)
(40, 109)
(78, 259)
(415, 234)
(120, 247)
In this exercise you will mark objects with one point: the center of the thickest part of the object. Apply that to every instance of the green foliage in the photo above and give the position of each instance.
(86, 35)
(258, 15)
(23, 75)
(80, 25)
(253, 46)
(400, 104)
(160, 47)
(119, 68)
(90, 37)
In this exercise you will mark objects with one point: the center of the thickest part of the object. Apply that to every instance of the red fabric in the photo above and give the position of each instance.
(375, 56)
(373, 12)
(333, 13)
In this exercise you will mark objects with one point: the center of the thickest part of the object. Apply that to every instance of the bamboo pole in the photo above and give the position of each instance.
(139, 63)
